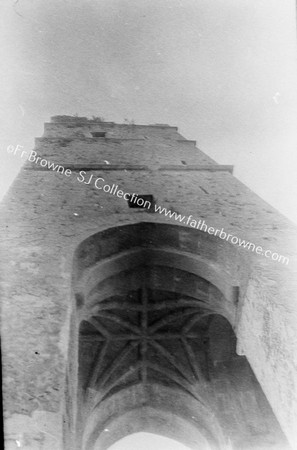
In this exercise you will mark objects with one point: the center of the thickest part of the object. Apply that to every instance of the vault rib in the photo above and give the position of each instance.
(193, 321)
(181, 303)
(175, 378)
(119, 359)
(98, 366)
(192, 359)
(171, 359)
(120, 321)
(103, 392)
(144, 328)
(123, 377)
(165, 304)
(116, 305)
(170, 318)
(99, 327)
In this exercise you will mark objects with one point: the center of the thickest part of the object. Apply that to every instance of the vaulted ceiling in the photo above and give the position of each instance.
(155, 306)
(146, 335)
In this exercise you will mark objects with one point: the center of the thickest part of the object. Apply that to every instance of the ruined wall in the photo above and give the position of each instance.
(46, 215)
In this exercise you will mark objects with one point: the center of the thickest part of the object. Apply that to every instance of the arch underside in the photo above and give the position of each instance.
(156, 343)
(151, 420)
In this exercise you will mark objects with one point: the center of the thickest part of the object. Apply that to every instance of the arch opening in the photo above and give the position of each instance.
(147, 441)
(156, 347)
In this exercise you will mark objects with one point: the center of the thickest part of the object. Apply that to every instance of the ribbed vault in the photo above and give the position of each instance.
(142, 335)
(153, 312)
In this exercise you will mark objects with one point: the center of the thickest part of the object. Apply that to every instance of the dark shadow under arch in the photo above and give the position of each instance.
(153, 304)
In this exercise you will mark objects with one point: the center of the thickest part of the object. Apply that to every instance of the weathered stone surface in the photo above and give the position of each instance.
(41, 430)
(47, 215)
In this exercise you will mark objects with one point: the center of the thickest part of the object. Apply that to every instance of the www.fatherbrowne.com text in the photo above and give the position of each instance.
(136, 199)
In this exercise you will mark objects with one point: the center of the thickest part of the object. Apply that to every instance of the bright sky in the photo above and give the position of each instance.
(224, 71)
(147, 441)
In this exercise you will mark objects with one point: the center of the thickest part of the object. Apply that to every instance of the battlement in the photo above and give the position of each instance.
(69, 138)
(83, 121)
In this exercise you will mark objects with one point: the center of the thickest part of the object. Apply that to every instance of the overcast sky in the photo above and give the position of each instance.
(224, 71)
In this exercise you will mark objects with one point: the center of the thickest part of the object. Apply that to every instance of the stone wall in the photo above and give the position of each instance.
(46, 215)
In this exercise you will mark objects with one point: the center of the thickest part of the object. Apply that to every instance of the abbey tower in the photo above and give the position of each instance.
(119, 317)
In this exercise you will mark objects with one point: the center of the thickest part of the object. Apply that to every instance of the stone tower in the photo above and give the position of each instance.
(119, 316)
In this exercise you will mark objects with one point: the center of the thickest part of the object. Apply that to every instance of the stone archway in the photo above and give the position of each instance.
(147, 440)
(155, 421)
(149, 320)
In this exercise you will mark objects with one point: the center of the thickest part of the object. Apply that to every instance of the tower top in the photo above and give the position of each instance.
(96, 120)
